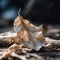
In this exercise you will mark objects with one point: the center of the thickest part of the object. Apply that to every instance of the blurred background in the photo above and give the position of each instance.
(37, 11)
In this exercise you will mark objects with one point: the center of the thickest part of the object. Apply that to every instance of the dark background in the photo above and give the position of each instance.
(37, 11)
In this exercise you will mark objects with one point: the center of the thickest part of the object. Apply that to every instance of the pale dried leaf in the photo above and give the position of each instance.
(29, 34)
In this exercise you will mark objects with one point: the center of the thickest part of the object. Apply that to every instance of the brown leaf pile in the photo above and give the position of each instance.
(27, 37)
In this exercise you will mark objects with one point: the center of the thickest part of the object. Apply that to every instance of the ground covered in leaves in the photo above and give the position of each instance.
(42, 54)
(29, 42)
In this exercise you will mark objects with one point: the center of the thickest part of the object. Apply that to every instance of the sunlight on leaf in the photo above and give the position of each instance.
(28, 33)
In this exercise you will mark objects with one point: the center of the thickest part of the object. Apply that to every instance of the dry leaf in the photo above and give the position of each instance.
(28, 33)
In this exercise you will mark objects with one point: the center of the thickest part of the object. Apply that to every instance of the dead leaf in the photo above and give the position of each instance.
(28, 33)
